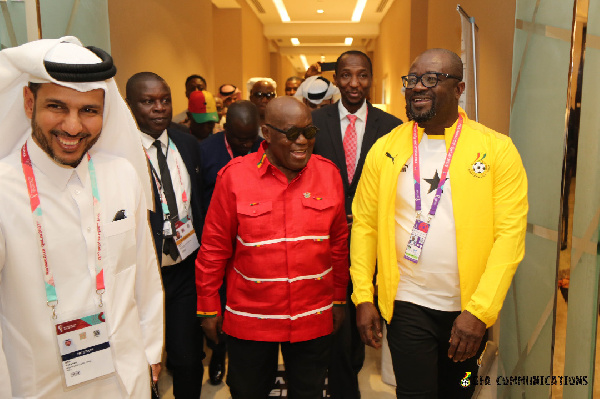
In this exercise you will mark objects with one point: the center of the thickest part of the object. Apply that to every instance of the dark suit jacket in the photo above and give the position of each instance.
(214, 156)
(189, 149)
(329, 144)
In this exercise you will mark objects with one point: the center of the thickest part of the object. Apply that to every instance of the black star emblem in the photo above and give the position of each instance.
(434, 182)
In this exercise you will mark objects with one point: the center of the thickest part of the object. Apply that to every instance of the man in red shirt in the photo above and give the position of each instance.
(276, 227)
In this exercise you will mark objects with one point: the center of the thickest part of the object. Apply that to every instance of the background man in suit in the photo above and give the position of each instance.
(347, 130)
(176, 224)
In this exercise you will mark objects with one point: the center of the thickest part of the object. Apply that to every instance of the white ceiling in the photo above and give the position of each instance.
(321, 36)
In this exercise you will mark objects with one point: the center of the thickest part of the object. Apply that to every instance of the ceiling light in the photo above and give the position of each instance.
(320, 11)
(348, 41)
(295, 41)
(358, 10)
(304, 62)
(283, 12)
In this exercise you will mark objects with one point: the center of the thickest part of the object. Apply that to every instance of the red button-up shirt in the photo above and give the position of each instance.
(283, 247)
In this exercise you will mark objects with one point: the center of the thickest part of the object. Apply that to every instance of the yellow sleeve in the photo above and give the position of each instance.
(363, 242)
(510, 224)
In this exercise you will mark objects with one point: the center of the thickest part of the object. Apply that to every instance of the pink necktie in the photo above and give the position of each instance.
(350, 147)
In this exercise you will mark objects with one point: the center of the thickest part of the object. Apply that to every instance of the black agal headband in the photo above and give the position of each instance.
(83, 72)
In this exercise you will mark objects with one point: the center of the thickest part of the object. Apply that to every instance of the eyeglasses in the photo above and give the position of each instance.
(294, 132)
(428, 80)
(268, 96)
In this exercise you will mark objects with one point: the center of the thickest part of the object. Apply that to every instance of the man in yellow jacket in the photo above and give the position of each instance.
(441, 208)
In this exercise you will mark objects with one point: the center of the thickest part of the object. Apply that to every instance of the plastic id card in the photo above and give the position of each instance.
(185, 238)
(84, 349)
(416, 241)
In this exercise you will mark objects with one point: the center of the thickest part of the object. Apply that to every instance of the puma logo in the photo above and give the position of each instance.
(387, 154)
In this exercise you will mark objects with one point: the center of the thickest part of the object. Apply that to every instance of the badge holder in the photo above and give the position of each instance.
(417, 240)
(185, 237)
(84, 348)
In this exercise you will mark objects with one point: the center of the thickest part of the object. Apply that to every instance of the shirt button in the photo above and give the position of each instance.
(89, 229)
(77, 192)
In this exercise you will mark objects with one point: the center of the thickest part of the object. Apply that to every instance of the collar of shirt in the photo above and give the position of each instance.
(58, 174)
(263, 164)
(361, 114)
(148, 141)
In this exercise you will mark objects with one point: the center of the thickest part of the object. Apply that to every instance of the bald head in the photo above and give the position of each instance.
(283, 109)
(451, 61)
(132, 86)
(149, 98)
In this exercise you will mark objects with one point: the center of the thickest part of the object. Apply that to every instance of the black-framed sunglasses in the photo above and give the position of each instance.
(428, 80)
(294, 132)
(268, 96)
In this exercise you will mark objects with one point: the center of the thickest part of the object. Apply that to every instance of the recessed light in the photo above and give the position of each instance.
(282, 10)
(304, 61)
(295, 41)
(358, 10)
(320, 11)
(348, 41)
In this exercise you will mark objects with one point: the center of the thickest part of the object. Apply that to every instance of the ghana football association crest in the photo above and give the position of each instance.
(479, 168)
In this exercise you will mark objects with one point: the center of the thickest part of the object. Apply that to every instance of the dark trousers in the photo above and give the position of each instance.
(183, 335)
(253, 365)
(418, 340)
(347, 356)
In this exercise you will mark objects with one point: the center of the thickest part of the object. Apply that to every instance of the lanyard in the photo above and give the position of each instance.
(228, 147)
(163, 199)
(417, 174)
(36, 210)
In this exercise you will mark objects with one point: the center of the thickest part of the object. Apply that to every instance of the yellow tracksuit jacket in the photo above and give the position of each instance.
(489, 197)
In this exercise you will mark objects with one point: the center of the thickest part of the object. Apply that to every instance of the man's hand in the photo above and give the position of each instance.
(339, 313)
(349, 220)
(212, 327)
(155, 372)
(368, 322)
(465, 338)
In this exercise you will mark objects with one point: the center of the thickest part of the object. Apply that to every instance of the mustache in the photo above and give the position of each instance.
(62, 133)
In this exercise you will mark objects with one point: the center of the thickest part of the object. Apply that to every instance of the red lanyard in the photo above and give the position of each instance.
(36, 210)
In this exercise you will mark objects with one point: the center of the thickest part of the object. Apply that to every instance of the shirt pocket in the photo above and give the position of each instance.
(255, 221)
(121, 244)
(318, 214)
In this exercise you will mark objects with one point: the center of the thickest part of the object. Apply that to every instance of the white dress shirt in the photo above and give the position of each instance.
(179, 185)
(360, 124)
(30, 364)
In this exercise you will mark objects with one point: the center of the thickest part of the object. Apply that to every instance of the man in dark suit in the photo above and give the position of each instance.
(177, 223)
(347, 130)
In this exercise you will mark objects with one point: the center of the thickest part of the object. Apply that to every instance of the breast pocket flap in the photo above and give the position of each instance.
(255, 208)
(318, 204)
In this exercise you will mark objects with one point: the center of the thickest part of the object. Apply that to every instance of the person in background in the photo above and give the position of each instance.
(174, 159)
(202, 112)
(262, 90)
(348, 129)
(316, 92)
(192, 83)
(291, 85)
(239, 138)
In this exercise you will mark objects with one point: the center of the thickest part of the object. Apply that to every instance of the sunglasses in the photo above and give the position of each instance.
(294, 132)
(268, 96)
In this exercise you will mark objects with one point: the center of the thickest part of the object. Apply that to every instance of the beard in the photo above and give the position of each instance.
(43, 141)
(423, 116)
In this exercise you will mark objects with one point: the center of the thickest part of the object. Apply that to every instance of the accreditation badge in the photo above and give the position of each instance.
(416, 241)
(185, 238)
(84, 349)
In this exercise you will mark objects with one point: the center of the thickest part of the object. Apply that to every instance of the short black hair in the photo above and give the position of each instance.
(195, 77)
(34, 87)
(353, 52)
(293, 79)
(139, 77)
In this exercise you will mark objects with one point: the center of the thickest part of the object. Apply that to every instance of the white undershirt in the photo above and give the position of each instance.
(183, 210)
(434, 281)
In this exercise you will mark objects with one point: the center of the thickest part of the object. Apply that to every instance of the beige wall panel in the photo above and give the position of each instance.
(284, 70)
(392, 57)
(227, 28)
(256, 60)
(496, 21)
(172, 39)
